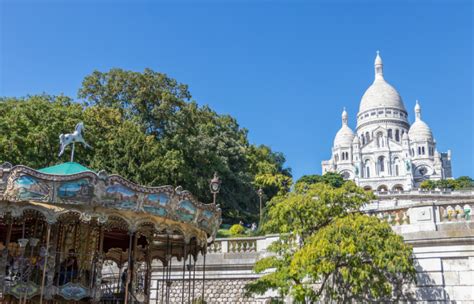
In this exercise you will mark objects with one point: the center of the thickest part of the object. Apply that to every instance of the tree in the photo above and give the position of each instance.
(143, 127)
(150, 97)
(329, 251)
(331, 178)
(428, 185)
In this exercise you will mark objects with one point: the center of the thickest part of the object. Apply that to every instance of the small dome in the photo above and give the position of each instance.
(419, 130)
(345, 135)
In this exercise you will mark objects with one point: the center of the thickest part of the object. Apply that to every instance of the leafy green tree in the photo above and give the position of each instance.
(143, 127)
(428, 184)
(150, 97)
(328, 251)
(464, 182)
(331, 178)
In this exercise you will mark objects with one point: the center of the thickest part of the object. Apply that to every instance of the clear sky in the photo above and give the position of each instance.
(284, 69)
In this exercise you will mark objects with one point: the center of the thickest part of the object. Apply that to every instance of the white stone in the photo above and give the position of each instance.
(428, 264)
(386, 153)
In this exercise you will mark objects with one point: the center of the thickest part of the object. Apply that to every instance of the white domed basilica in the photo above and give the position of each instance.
(386, 153)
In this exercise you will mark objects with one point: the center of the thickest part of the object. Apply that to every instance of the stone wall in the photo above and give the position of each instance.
(216, 291)
(439, 226)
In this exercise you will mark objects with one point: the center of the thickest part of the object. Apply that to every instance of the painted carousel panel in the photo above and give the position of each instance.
(78, 191)
(73, 291)
(155, 203)
(27, 187)
(121, 197)
(24, 290)
(186, 211)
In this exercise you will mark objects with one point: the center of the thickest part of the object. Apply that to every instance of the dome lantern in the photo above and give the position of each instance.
(378, 66)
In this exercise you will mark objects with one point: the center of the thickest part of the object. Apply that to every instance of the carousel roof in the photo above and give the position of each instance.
(65, 169)
(75, 188)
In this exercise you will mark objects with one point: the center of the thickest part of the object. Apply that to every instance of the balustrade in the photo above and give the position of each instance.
(215, 247)
(455, 213)
(242, 246)
(395, 217)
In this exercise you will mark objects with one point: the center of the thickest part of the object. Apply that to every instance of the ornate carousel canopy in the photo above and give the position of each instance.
(60, 224)
(75, 188)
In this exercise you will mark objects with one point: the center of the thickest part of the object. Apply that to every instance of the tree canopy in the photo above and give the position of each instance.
(329, 251)
(144, 127)
(462, 182)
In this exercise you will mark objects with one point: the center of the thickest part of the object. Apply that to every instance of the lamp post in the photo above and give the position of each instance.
(215, 186)
(260, 196)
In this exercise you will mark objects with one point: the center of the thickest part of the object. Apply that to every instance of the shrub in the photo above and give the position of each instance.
(237, 229)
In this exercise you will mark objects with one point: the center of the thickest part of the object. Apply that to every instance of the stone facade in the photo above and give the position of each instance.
(386, 153)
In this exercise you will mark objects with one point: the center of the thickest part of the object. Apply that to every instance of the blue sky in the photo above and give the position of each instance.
(284, 69)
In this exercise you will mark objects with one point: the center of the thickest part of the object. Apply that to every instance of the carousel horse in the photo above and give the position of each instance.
(76, 136)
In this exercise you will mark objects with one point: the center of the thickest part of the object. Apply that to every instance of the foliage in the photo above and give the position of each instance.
(331, 178)
(328, 251)
(237, 229)
(223, 233)
(462, 182)
(143, 127)
(428, 184)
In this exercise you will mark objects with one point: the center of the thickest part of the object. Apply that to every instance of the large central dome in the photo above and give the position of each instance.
(380, 94)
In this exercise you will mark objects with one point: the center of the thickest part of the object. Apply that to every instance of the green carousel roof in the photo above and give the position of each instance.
(65, 169)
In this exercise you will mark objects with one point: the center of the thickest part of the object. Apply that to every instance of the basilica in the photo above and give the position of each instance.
(386, 153)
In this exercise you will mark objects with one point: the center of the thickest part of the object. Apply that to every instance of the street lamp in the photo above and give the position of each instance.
(260, 195)
(215, 186)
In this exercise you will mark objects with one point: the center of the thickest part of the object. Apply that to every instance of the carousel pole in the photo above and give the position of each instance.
(7, 243)
(203, 274)
(72, 152)
(184, 271)
(194, 276)
(43, 278)
(168, 281)
(189, 278)
(130, 244)
(165, 277)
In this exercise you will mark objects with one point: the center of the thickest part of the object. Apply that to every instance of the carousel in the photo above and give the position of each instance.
(68, 234)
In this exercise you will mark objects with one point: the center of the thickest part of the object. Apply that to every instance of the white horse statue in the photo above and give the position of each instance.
(72, 138)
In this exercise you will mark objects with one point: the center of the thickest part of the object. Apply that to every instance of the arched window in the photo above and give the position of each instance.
(397, 135)
(419, 150)
(367, 168)
(362, 138)
(367, 136)
(381, 164)
(423, 150)
(390, 135)
(395, 166)
(379, 139)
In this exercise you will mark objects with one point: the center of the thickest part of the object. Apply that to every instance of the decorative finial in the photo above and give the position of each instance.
(378, 66)
(72, 138)
(344, 116)
(417, 110)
